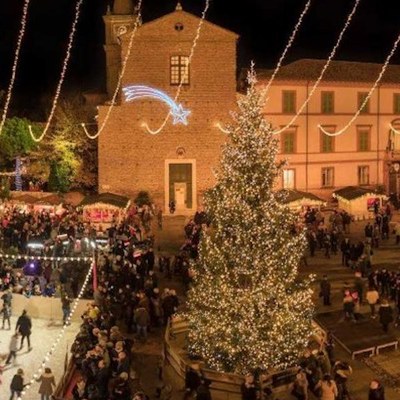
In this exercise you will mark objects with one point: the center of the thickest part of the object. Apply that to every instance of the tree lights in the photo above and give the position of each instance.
(248, 308)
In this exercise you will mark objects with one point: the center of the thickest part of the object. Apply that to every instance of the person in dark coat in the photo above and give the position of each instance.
(385, 315)
(376, 391)
(101, 381)
(249, 388)
(325, 290)
(24, 327)
(192, 381)
(17, 384)
(203, 391)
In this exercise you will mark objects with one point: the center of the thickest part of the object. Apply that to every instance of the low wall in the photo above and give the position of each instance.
(44, 307)
(224, 386)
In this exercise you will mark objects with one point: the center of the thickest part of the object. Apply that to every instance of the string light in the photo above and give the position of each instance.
(221, 128)
(61, 334)
(247, 307)
(288, 46)
(120, 77)
(15, 64)
(364, 103)
(162, 126)
(328, 62)
(43, 258)
(62, 76)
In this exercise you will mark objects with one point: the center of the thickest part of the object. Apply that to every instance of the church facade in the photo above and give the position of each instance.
(175, 164)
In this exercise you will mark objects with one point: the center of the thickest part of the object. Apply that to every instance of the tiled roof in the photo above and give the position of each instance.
(338, 71)
(290, 196)
(106, 198)
(354, 192)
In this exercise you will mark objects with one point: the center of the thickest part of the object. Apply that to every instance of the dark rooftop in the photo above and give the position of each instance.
(106, 198)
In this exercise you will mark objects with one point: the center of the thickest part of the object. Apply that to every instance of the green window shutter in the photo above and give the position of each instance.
(327, 103)
(396, 103)
(363, 141)
(361, 98)
(288, 142)
(289, 102)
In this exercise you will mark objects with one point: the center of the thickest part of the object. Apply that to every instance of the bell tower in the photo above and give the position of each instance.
(118, 19)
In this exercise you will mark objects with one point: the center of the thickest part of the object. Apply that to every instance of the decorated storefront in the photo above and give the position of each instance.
(104, 209)
(359, 202)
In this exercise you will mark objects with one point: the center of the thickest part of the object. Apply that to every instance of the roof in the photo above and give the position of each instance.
(338, 71)
(25, 198)
(354, 192)
(291, 196)
(106, 198)
(52, 199)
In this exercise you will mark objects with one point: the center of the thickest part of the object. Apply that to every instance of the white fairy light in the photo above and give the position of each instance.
(120, 77)
(196, 39)
(328, 62)
(374, 86)
(288, 46)
(15, 64)
(394, 130)
(62, 76)
(51, 352)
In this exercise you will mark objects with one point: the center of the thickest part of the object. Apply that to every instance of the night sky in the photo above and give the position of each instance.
(263, 25)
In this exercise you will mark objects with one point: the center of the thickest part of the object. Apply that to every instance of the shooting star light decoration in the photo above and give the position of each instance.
(137, 92)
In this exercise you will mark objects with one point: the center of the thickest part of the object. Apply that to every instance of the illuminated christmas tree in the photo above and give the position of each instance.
(248, 308)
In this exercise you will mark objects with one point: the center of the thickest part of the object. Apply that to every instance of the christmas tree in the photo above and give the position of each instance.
(248, 308)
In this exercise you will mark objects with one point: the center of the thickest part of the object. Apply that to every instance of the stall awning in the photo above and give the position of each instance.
(291, 196)
(107, 199)
(51, 200)
(354, 192)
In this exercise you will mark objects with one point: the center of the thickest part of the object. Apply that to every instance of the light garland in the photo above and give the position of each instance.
(62, 77)
(328, 62)
(43, 258)
(162, 126)
(15, 64)
(121, 75)
(59, 337)
(221, 128)
(355, 116)
(288, 46)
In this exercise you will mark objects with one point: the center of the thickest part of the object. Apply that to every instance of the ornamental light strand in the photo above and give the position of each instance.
(288, 46)
(198, 32)
(328, 62)
(61, 334)
(364, 103)
(63, 73)
(121, 75)
(15, 64)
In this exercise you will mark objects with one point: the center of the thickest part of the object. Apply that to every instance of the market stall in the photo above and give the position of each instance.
(25, 202)
(52, 204)
(104, 209)
(299, 201)
(359, 202)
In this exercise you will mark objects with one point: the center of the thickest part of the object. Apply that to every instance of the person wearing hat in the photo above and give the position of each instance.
(24, 327)
(376, 391)
(17, 384)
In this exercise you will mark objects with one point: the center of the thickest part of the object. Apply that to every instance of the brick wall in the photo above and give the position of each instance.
(130, 159)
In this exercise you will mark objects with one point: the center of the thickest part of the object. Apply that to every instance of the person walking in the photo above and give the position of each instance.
(24, 327)
(13, 348)
(372, 297)
(376, 391)
(47, 382)
(325, 291)
(385, 315)
(6, 311)
(17, 384)
(66, 308)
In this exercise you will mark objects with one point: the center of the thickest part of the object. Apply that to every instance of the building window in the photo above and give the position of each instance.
(289, 179)
(327, 177)
(361, 98)
(396, 103)
(327, 142)
(363, 139)
(288, 145)
(289, 101)
(327, 102)
(363, 175)
(179, 68)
